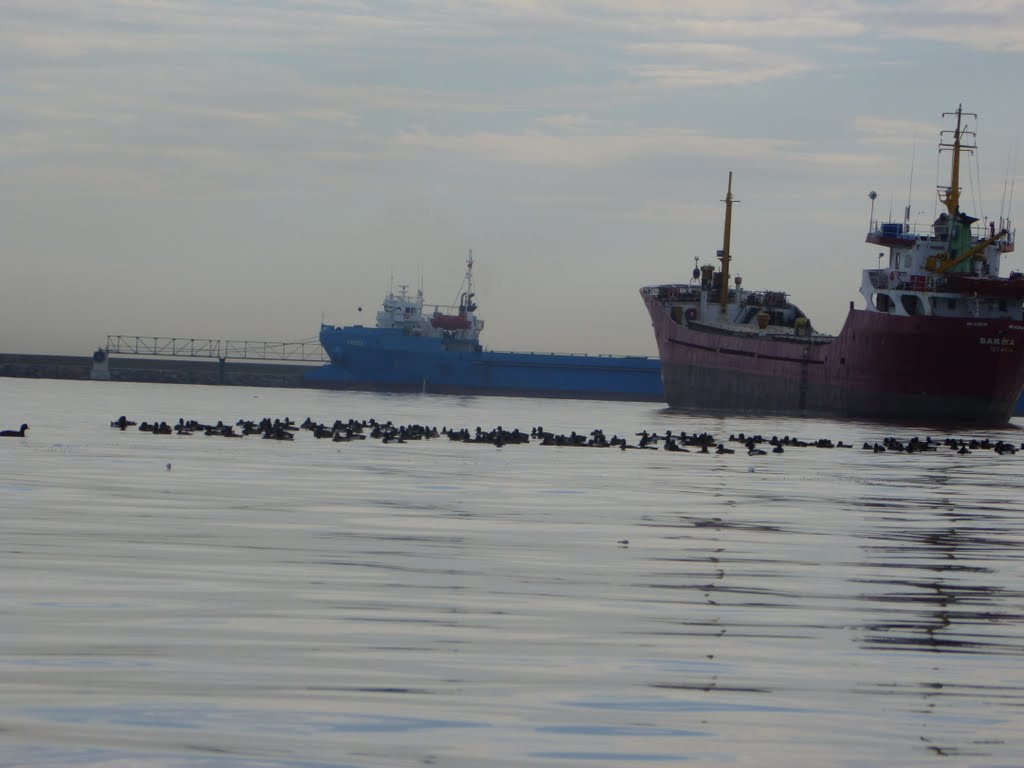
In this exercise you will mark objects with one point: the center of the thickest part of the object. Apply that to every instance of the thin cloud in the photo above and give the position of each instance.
(801, 25)
(697, 65)
(987, 25)
(567, 122)
(847, 162)
(1008, 37)
(48, 29)
(886, 131)
(608, 150)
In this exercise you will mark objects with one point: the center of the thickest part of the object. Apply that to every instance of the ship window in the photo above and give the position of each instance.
(910, 304)
(952, 303)
(896, 263)
(882, 302)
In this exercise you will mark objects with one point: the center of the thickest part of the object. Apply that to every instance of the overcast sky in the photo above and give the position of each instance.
(241, 169)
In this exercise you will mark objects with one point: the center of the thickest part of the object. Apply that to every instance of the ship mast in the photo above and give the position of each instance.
(950, 197)
(723, 297)
(466, 304)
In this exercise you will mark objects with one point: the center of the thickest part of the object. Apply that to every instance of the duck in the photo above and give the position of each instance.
(14, 432)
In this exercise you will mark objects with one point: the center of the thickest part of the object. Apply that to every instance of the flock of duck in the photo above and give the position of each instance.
(683, 442)
(387, 432)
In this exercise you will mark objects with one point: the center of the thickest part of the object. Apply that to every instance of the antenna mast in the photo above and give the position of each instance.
(950, 196)
(723, 297)
(466, 301)
(910, 186)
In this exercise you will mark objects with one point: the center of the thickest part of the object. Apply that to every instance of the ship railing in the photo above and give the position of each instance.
(790, 335)
(163, 346)
(894, 279)
(681, 292)
(1008, 243)
(444, 309)
(169, 346)
(765, 298)
(274, 350)
(899, 230)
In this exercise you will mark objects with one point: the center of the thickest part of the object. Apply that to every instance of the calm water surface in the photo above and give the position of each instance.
(438, 603)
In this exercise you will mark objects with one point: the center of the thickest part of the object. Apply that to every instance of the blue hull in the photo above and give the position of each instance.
(388, 360)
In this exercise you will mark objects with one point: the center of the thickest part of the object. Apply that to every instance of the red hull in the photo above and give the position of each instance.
(931, 369)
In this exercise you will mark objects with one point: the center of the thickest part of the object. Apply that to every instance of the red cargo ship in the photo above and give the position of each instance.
(939, 340)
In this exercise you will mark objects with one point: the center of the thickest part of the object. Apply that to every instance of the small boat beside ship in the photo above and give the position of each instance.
(940, 338)
(413, 348)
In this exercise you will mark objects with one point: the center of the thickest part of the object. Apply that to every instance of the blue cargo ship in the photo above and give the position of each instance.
(439, 351)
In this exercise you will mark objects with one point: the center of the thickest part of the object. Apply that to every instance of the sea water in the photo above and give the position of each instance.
(206, 601)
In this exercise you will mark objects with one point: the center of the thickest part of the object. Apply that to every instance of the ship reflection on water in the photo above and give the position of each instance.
(945, 593)
(894, 580)
(943, 603)
(937, 562)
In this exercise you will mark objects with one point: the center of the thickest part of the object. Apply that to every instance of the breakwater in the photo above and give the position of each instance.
(157, 370)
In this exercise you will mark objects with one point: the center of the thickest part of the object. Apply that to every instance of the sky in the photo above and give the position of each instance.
(246, 169)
